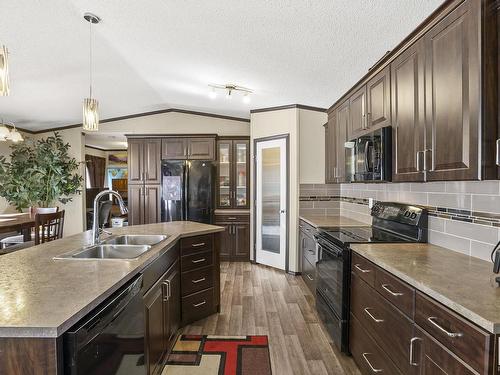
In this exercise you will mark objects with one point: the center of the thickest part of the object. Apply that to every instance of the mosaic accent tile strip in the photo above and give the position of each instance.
(476, 217)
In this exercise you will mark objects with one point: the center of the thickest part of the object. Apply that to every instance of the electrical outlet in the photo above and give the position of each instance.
(370, 202)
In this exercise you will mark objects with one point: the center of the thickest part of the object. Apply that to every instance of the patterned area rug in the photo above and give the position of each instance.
(219, 355)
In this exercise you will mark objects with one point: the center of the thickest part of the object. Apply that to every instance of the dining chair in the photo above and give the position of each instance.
(19, 238)
(49, 227)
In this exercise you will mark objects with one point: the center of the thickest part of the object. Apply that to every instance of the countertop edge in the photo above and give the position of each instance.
(491, 327)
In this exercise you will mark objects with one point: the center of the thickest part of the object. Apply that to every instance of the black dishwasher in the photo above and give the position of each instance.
(110, 340)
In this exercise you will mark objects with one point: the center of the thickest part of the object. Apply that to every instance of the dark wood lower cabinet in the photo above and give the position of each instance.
(419, 337)
(235, 240)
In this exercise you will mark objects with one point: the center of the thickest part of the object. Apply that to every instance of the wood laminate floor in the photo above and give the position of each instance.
(258, 300)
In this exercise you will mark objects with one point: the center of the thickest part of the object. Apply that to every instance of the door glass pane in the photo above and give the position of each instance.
(241, 174)
(271, 199)
(224, 175)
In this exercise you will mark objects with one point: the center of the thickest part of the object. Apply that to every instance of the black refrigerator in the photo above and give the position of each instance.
(188, 190)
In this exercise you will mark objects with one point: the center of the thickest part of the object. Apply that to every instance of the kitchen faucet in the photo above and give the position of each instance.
(95, 225)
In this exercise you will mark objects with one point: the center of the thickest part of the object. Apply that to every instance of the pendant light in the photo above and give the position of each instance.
(91, 105)
(4, 71)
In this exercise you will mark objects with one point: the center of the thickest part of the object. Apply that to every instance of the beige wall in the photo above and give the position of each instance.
(312, 146)
(266, 124)
(177, 123)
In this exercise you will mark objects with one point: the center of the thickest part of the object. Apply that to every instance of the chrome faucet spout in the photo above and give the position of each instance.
(95, 224)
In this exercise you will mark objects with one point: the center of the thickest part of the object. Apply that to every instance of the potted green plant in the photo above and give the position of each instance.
(39, 173)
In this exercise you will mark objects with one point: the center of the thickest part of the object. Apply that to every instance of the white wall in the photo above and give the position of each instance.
(177, 123)
(312, 146)
(281, 122)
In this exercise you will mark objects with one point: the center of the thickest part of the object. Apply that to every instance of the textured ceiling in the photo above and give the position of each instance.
(156, 54)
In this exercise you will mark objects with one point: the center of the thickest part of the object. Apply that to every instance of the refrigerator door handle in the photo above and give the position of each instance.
(186, 191)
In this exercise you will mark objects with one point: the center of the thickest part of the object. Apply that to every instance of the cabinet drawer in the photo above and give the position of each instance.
(309, 275)
(198, 243)
(197, 306)
(363, 268)
(229, 218)
(396, 291)
(391, 330)
(196, 280)
(197, 260)
(369, 357)
(467, 341)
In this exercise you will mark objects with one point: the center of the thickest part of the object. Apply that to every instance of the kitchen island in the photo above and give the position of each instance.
(42, 297)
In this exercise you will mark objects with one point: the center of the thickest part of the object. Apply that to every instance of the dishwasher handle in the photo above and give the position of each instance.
(104, 314)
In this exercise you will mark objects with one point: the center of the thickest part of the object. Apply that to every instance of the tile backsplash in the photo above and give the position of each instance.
(463, 216)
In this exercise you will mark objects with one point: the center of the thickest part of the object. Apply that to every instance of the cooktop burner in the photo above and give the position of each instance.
(363, 234)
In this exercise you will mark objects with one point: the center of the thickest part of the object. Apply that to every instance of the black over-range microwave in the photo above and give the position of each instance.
(369, 157)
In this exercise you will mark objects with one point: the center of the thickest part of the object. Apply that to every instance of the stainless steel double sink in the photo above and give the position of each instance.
(116, 247)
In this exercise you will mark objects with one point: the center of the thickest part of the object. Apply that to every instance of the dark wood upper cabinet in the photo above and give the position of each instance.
(357, 113)
(233, 168)
(152, 161)
(192, 148)
(330, 149)
(378, 100)
(174, 148)
(408, 113)
(201, 148)
(452, 81)
(144, 163)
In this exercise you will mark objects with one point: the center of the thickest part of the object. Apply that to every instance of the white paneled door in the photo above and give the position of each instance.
(271, 202)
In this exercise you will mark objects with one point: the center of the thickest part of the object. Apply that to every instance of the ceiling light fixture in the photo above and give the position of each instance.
(4, 72)
(91, 105)
(230, 89)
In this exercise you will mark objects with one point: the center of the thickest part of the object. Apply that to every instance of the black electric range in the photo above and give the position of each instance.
(391, 223)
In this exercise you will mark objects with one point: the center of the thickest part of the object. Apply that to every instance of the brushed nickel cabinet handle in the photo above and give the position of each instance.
(386, 288)
(198, 260)
(198, 244)
(418, 156)
(376, 370)
(432, 320)
(360, 269)
(198, 281)
(309, 277)
(231, 218)
(199, 304)
(498, 152)
(412, 342)
(367, 311)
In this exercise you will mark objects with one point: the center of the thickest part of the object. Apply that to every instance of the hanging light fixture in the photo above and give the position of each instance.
(4, 71)
(91, 105)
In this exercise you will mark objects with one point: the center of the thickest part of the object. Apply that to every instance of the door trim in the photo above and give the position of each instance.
(254, 205)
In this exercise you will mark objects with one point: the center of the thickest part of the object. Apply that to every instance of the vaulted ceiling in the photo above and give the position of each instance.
(156, 54)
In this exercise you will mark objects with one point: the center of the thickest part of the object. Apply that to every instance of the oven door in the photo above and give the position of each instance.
(331, 276)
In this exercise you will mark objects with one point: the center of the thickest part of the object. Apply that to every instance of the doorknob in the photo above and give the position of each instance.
(282, 211)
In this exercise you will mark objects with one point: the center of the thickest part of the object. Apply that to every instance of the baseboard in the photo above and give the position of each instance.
(294, 273)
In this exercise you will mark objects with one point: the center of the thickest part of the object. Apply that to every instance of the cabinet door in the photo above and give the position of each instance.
(344, 168)
(378, 100)
(241, 241)
(173, 301)
(241, 160)
(226, 241)
(357, 113)
(135, 161)
(135, 204)
(155, 343)
(330, 148)
(434, 359)
(152, 197)
(224, 173)
(174, 148)
(452, 81)
(408, 114)
(201, 148)
(152, 161)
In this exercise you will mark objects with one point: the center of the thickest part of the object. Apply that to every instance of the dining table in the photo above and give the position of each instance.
(18, 222)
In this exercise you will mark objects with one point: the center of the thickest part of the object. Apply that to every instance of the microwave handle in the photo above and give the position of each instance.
(367, 165)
